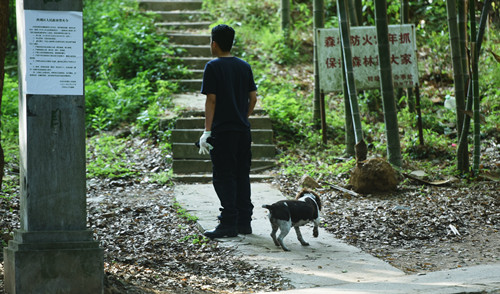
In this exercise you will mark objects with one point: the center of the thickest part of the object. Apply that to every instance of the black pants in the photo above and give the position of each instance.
(231, 159)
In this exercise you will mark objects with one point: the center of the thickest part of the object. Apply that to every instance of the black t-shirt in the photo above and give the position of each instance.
(231, 80)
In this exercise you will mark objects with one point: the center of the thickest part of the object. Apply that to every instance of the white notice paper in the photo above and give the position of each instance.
(54, 52)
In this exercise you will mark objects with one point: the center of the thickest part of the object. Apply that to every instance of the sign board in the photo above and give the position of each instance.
(364, 49)
(53, 57)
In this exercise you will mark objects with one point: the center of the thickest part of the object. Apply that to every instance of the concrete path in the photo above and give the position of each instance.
(327, 265)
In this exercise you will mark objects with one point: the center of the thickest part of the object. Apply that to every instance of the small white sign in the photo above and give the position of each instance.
(364, 48)
(54, 52)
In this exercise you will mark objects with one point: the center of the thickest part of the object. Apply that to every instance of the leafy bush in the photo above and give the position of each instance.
(10, 111)
(126, 66)
(121, 42)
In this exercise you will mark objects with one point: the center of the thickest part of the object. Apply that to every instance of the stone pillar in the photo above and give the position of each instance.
(52, 252)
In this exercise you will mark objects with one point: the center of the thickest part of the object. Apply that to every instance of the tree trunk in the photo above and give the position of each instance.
(319, 22)
(4, 21)
(348, 69)
(386, 84)
(457, 74)
(285, 20)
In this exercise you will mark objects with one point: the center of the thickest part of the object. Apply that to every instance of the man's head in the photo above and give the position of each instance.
(223, 35)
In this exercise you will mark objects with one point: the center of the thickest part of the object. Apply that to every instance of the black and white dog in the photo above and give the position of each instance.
(286, 214)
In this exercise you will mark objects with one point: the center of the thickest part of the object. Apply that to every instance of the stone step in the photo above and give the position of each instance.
(166, 5)
(198, 62)
(257, 122)
(196, 74)
(189, 85)
(187, 38)
(190, 151)
(259, 136)
(201, 166)
(194, 50)
(164, 27)
(207, 178)
(180, 15)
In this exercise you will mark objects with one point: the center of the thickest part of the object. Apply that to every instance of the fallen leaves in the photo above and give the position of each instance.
(419, 217)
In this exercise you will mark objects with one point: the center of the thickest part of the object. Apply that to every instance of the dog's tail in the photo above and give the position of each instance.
(267, 206)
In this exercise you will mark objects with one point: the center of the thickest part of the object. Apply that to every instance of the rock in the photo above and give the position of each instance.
(307, 182)
(419, 174)
(374, 175)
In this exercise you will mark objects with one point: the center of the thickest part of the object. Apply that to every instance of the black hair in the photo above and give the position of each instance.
(224, 36)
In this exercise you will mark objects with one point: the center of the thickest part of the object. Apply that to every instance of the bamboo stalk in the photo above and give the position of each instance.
(348, 68)
(285, 20)
(457, 69)
(463, 145)
(477, 123)
(462, 31)
(318, 22)
(386, 84)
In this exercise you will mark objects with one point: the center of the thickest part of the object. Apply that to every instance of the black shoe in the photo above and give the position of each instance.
(245, 230)
(221, 232)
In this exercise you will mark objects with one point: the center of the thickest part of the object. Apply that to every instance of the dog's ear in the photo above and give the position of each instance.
(301, 193)
(318, 200)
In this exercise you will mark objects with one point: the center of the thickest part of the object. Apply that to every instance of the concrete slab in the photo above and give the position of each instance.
(190, 101)
(327, 265)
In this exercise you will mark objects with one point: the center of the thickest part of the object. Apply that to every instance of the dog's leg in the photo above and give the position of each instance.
(315, 229)
(299, 236)
(273, 234)
(284, 229)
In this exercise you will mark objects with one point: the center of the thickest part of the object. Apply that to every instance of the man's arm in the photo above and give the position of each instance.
(251, 102)
(209, 111)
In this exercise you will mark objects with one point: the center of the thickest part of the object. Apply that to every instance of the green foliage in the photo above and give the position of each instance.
(10, 110)
(489, 71)
(182, 212)
(393, 9)
(261, 29)
(121, 42)
(136, 99)
(195, 239)
(126, 67)
(163, 178)
(108, 158)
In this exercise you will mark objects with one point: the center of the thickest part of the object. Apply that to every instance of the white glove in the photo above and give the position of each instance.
(204, 146)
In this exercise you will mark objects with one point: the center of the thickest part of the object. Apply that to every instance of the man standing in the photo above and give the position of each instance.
(231, 97)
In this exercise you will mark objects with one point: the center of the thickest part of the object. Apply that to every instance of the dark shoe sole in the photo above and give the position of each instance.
(220, 234)
(245, 231)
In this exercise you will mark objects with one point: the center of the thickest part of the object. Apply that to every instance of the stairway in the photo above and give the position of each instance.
(186, 26)
(190, 166)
